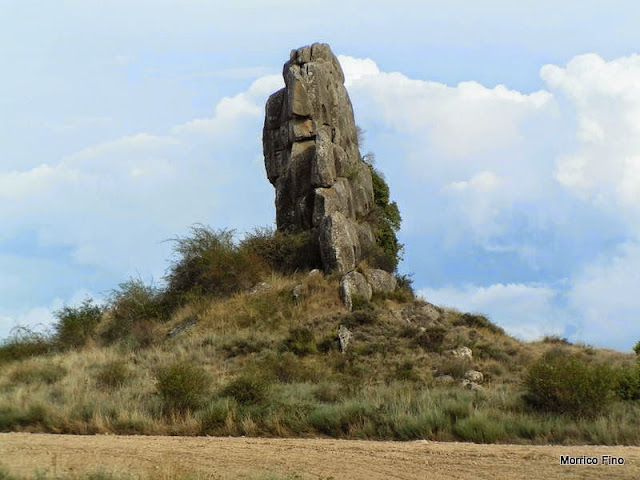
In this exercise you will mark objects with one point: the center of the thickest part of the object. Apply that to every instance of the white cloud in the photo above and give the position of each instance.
(604, 295)
(356, 68)
(604, 98)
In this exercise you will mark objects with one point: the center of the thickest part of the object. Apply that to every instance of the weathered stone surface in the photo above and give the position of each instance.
(463, 353)
(419, 313)
(381, 281)
(313, 161)
(469, 385)
(474, 376)
(351, 284)
(185, 326)
(339, 244)
(345, 336)
(296, 293)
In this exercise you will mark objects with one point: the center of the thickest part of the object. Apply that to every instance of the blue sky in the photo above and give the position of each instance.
(508, 132)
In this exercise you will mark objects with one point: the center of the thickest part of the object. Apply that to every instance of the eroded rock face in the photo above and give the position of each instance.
(381, 281)
(352, 284)
(313, 161)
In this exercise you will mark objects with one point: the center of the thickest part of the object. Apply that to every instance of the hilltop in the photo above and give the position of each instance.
(308, 330)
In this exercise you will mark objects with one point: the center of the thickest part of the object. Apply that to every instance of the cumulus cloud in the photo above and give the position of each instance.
(491, 182)
(604, 98)
(604, 296)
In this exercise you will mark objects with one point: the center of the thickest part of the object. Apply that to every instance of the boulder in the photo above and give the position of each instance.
(352, 284)
(381, 281)
(474, 376)
(463, 353)
(344, 336)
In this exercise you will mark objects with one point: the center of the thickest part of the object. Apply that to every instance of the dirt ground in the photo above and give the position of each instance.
(230, 458)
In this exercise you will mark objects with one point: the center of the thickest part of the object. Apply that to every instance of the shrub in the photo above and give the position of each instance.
(431, 338)
(247, 389)
(210, 263)
(182, 386)
(567, 384)
(76, 325)
(385, 218)
(113, 375)
(283, 252)
(478, 321)
(628, 383)
(300, 341)
(134, 306)
(557, 339)
(24, 343)
(636, 348)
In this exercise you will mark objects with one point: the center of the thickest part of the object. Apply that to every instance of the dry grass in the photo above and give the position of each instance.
(382, 388)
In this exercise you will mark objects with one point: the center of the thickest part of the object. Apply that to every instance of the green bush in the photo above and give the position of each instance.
(300, 341)
(283, 252)
(385, 218)
(76, 325)
(247, 389)
(210, 263)
(182, 386)
(114, 375)
(134, 307)
(628, 383)
(567, 384)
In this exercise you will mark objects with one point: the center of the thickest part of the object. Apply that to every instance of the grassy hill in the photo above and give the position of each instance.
(243, 340)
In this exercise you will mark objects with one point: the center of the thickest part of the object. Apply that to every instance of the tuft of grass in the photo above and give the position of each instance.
(480, 428)
(300, 341)
(182, 386)
(247, 389)
(114, 374)
(46, 373)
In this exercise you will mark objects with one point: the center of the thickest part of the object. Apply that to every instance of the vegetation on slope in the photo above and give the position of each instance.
(252, 358)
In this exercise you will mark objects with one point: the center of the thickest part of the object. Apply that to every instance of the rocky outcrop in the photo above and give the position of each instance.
(313, 161)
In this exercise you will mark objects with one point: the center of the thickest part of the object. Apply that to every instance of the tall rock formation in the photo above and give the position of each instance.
(313, 161)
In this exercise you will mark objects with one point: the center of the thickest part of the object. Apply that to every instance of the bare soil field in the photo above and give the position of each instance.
(230, 458)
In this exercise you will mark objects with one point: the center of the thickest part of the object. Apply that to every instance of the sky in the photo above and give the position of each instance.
(509, 133)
